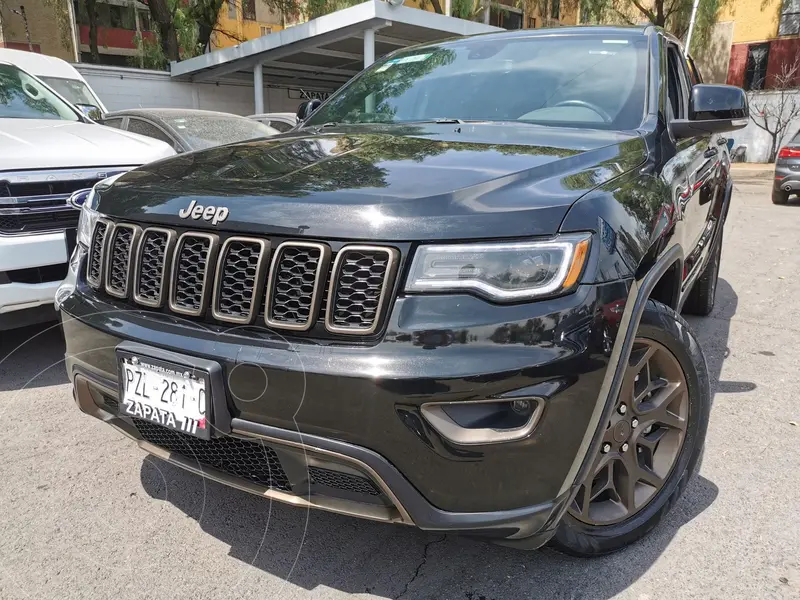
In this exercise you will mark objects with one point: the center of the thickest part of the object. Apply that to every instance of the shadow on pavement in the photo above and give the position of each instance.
(314, 548)
(713, 332)
(32, 357)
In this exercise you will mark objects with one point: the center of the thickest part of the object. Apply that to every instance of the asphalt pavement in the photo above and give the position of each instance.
(85, 514)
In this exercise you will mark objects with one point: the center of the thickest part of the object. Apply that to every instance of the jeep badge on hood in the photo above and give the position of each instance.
(208, 213)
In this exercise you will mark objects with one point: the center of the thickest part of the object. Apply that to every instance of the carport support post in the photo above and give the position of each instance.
(369, 58)
(258, 87)
(369, 47)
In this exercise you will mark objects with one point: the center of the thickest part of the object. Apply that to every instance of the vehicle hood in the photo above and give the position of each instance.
(54, 144)
(390, 183)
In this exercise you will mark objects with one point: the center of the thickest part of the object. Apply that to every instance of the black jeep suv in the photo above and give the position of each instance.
(448, 299)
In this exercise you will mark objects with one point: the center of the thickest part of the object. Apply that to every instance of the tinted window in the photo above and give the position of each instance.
(200, 131)
(575, 81)
(144, 128)
(674, 85)
(24, 97)
(72, 90)
(280, 125)
(116, 123)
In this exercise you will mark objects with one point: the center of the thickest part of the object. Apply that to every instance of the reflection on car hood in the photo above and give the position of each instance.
(384, 182)
(53, 144)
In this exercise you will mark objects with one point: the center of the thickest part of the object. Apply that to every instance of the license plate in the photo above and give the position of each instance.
(172, 396)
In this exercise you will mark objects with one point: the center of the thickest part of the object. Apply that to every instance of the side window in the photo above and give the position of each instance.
(673, 87)
(144, 128)
(280, 125)
(115, 122)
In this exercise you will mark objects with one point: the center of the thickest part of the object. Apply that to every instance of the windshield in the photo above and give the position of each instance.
(570, 81)
(72, 90)
(24, 97)
(205, 131)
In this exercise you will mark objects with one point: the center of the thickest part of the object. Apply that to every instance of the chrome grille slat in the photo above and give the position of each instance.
(192, 262)
(120, 249)
(239, 278)
(97, 249)
(151, 273)
(294, 289)
(360, 284)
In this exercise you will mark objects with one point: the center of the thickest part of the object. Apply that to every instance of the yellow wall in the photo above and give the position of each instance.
(43, 26)
(754, 21)
(243, 29)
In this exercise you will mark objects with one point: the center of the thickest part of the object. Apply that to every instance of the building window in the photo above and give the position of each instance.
(755, 73)
(232, 10)
(531, 22)
(249, 10)
(144, 20)
(555, 9)
(506, 17)
(266, 30)
(790, 18)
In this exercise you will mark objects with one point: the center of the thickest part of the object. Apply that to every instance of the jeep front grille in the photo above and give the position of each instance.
(295, 284)
(239, 276)
(122, 240)
(94, 265)
(358, 290)
(191, 270)
(230, 279)
(152, 266)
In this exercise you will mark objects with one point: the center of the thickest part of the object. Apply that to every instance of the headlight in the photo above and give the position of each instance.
(87, 219)
(502, 272)
(86, 200)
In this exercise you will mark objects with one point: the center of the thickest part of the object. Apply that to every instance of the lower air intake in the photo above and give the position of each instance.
(246, 459)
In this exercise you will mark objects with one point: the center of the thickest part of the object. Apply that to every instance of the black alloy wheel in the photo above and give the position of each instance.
(642, 441)
(651, 445)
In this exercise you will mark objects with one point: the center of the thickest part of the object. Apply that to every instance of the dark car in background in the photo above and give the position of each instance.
(787, 172)
(187, 129)
(459, 311)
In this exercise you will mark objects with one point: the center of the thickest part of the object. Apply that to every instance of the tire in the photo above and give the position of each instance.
(578, 538)
(700, 300)
(780, 197)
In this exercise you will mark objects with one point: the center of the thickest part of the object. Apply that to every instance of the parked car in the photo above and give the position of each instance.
(460, 313)
(283, 121)
(787, 172)
(59, 75)
(48, 149)
(187, 129)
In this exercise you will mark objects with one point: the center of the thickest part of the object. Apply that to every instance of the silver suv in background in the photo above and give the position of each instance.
(787, 171)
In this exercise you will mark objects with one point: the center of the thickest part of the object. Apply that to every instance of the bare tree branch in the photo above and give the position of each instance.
(776, 110)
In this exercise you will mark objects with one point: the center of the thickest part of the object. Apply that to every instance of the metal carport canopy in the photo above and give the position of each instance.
(322, 54)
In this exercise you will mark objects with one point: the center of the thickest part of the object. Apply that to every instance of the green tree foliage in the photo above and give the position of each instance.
(152, 51)
(672, 15)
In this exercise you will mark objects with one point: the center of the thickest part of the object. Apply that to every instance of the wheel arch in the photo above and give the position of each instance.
(640, 293)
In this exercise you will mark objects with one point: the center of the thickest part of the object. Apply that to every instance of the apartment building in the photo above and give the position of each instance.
(36, 27)
(764, 38)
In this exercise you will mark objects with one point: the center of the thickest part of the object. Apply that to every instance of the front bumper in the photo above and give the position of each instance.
(358, 408)
(23, 252)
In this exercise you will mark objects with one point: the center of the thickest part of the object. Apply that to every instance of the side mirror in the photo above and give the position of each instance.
(713, 109)
(305, 110)
(90, 110)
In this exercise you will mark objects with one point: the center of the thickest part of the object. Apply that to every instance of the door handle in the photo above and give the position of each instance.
(710, 153)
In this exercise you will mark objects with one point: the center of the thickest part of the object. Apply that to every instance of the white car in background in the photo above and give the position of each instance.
(48, 150)
(59, 75)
